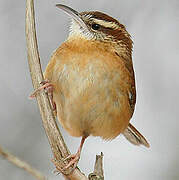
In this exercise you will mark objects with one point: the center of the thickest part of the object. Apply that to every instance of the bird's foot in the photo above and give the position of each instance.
(60, 168)
(74, 158)
(45, 85)
(48, 87)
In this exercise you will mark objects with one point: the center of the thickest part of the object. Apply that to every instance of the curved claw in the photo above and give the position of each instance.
(48, 87)
(74, 160)
(75, 157)
(71, 156)
(44, 85)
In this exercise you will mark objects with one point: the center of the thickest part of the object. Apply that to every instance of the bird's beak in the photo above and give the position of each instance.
(73, 14)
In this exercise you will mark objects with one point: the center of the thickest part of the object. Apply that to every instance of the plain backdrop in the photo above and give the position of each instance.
(154, 27)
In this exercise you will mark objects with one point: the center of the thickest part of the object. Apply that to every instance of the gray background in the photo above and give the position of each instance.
(154, 26)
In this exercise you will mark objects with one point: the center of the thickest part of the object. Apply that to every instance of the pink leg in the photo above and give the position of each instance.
(49, 88)
(75, 157)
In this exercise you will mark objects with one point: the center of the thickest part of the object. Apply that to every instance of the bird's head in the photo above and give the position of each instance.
(94, 25)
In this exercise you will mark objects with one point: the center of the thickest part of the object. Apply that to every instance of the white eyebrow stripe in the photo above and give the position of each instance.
(106, 24)
(88, 16)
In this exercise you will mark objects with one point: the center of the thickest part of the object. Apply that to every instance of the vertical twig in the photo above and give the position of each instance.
(55, 138)
(98, 169)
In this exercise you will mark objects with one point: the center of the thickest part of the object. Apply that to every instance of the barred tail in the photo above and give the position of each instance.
(133, 136)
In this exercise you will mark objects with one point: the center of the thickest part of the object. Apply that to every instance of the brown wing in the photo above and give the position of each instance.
(132, 97)
(131, 90)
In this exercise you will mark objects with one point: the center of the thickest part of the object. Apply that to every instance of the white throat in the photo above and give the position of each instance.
(80, 32)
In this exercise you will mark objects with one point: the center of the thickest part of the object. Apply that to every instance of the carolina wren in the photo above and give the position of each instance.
(93, 79)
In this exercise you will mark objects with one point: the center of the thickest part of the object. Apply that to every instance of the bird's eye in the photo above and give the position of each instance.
(95, 26)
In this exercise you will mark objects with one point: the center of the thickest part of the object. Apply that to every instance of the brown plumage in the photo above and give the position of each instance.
(93, 79)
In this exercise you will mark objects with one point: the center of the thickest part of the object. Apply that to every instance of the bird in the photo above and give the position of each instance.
(92, 81)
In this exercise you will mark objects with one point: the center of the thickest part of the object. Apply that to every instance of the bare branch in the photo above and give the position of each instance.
(55, 138)
(21, 164)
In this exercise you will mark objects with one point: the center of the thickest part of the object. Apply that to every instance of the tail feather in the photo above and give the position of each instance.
(133, 136)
